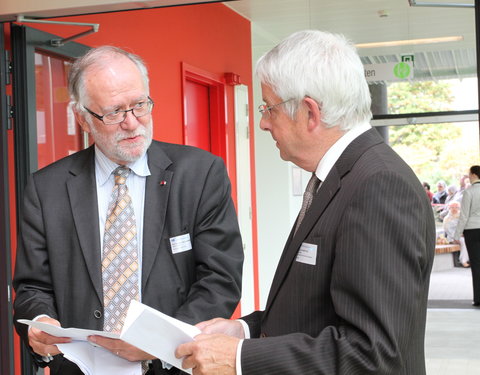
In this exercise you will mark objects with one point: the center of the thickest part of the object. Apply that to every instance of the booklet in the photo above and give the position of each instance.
(156, 333)
(146, 328)
(76, 334)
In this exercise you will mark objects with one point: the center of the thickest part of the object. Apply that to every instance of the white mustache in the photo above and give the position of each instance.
(138, 133)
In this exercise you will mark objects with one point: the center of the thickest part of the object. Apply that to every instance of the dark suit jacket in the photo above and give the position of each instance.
(58, 268)
(361, 309)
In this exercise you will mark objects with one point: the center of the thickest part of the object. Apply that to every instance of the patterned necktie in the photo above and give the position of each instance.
(310, 191)
(120, 255)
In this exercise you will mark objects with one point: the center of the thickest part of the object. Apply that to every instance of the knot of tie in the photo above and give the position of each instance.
(120, 174)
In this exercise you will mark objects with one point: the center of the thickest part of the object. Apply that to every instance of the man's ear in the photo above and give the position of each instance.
(314, 113)
(82, 121)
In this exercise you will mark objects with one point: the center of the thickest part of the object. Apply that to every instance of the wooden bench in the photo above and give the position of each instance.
(448, 248)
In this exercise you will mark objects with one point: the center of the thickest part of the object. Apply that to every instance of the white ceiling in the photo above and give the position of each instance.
(360, 20)
(365, 21)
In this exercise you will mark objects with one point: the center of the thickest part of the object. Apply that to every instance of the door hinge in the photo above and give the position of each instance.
(10, 113)
(8, 67)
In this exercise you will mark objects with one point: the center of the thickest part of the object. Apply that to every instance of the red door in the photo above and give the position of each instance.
(197, 124)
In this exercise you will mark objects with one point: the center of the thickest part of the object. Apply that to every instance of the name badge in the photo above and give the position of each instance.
(181, 243)
(307, 254)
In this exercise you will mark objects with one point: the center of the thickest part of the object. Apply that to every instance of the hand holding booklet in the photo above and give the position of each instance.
(146, 328)
(156, 333)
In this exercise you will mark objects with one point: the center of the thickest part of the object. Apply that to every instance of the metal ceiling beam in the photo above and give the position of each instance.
(413, 3)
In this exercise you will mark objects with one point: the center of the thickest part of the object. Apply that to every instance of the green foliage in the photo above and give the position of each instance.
(434, 151)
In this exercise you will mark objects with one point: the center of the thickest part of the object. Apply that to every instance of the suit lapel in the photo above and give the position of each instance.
(157, 190)
(325, 194)
(322, 199)
(82, 194)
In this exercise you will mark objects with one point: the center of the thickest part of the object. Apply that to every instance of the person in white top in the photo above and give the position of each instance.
(469, 225)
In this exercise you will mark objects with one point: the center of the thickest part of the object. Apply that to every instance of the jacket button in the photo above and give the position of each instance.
(97, 314)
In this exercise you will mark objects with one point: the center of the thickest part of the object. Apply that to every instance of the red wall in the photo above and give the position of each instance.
(211, 37)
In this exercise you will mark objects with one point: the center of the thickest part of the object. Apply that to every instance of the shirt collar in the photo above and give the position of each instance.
(104, 166)
(336, 150)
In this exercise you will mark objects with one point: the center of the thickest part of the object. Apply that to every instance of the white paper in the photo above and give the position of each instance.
(95, 360)
(78, 334)
(156, 333)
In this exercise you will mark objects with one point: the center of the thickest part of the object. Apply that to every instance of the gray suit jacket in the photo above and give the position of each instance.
(58, 267)
(361, 309)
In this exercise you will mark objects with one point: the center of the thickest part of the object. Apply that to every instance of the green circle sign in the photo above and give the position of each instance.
(401, 70)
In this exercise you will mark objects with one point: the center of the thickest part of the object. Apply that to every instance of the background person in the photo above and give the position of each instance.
(469, 225)
(350, 292)
(176, 193)
(441, 193)
(451, 196)
(426, 186)
(450, 223)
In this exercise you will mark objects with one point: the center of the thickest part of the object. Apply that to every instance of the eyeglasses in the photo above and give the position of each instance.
(140, 109)
(265, 109)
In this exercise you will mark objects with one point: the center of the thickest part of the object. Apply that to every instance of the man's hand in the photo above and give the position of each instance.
(223, 326)
(42, 343)
(121, 348)
(210, 354)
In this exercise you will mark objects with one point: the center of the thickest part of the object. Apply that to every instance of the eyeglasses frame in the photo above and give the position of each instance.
(264, 109)
(97, 116)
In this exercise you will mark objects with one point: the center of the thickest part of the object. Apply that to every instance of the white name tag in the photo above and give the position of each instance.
(181, 243)
(307, 254)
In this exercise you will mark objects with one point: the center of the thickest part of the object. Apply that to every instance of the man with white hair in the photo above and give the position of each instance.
(350, 292)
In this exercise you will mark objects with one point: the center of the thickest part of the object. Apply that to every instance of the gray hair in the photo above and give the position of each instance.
(324, 67)
(97, 56)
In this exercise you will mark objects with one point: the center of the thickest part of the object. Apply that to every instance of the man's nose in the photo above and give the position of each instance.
(264, 124)
(130, 122)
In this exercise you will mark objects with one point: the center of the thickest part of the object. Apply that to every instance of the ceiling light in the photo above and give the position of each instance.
(410, 42)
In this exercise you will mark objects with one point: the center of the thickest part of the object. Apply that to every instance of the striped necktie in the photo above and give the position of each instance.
(310, 191)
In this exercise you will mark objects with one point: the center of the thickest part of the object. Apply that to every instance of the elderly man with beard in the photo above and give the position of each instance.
(182, 247)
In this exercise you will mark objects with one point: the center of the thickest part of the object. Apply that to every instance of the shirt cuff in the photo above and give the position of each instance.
(238, 359)
(246, 329)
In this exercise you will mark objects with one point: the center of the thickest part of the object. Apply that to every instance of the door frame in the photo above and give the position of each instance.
(217, 99)
(6, 323)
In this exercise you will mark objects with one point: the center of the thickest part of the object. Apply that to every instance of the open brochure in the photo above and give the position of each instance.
(156, 333)
(146, 328)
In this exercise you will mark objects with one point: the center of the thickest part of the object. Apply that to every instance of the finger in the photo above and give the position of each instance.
(183, 350)
(206, 323)
(188, 362)
(45, 338)
(107, 343)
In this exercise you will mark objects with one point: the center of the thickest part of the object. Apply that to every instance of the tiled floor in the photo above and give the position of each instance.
(452, 342)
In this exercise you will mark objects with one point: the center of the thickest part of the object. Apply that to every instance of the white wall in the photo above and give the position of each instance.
(277, 207)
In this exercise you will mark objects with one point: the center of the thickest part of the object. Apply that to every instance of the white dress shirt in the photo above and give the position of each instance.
(105, 180)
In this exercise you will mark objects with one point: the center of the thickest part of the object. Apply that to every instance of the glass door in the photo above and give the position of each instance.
(44, 129)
